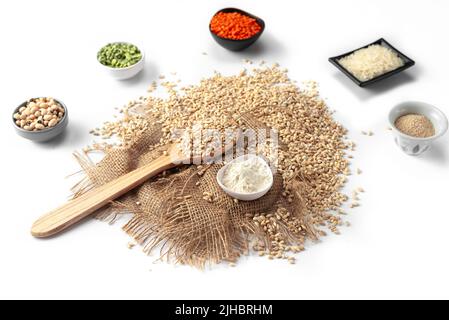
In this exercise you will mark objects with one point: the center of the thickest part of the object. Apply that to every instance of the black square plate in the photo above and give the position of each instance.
(407, 64)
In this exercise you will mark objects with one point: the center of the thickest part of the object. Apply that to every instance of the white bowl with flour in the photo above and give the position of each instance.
(246, 178)
(415, 145)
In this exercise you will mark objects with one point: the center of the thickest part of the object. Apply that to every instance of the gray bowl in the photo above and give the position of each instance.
(45, 134)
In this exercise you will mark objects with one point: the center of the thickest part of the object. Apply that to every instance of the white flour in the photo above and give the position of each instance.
(247, 176)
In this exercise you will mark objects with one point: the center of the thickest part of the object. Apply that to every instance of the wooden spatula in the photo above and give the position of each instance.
(81, 207)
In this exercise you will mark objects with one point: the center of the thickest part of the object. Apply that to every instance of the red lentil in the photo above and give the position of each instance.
(234, 25)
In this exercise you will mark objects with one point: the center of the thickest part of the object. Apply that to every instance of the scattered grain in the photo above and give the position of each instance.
(354, 204)
(131, 245)
(277, 102)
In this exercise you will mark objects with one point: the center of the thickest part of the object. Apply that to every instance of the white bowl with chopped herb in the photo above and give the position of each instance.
(122, 60)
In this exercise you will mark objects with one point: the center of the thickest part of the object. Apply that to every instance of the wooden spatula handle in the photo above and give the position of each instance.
(79, 208)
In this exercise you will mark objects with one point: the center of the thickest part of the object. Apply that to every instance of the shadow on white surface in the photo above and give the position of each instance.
(266, 46)
(381, 87)
(74, 136)
(149, 73)
(437, 153)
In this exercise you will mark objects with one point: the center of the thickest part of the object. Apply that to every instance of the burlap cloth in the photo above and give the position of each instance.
(169, 212)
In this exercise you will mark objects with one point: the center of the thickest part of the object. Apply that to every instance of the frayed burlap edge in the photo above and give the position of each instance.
(182, 225)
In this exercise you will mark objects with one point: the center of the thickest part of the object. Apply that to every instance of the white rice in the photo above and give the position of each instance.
(368, 63)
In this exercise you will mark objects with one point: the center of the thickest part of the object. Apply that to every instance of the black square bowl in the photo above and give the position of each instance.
(238, 45)
(407, 64)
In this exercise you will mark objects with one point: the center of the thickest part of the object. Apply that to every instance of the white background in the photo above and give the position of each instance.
(397, 244)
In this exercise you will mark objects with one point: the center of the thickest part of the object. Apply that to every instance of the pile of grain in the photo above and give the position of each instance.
(312, 149)
(368, 63)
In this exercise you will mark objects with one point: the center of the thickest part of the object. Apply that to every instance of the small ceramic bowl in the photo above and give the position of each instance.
(413, 145)
(128, 72)
(238, 45)
(45, 134)
(243, 196)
